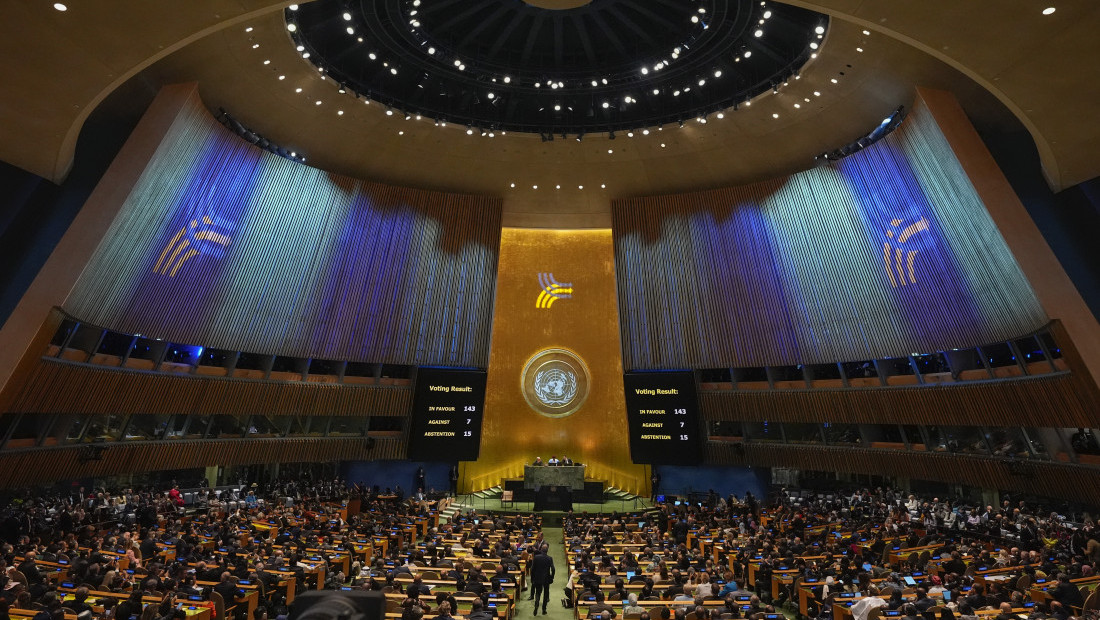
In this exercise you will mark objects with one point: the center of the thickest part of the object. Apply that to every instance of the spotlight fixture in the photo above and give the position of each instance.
(888, 125)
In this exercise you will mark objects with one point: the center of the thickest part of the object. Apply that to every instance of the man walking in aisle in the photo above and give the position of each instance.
(542, 575)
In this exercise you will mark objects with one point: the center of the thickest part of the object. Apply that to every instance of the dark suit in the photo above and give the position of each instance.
(542, 575)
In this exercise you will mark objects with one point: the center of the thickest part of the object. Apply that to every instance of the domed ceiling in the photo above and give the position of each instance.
(602, 66)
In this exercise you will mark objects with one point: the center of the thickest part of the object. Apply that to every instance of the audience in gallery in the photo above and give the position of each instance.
(141, 543)
(839, 540)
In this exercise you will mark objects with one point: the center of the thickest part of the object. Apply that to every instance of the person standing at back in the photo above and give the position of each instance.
(542, 575)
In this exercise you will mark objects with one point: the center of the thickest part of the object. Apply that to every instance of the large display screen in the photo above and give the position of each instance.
(446, 415)
(663, 413)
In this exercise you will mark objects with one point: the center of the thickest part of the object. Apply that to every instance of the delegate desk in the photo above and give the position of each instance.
(554, 485)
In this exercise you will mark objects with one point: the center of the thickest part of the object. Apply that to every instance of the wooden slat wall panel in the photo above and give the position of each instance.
(23, 468)
(292, 260)
(792, 271)
(1071, 482)
(1039, 401)
(60, 387)
(1066, 399)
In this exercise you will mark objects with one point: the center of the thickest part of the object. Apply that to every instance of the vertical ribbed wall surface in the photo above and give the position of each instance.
(226, 245)
(885, 253)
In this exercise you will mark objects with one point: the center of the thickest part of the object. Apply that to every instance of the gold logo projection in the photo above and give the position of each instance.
(552, 290)
(555, 382)
(187, 244)
(894, 255)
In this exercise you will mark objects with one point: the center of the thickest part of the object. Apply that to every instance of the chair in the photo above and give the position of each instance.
(19, 577)
(632, 616)
(429, 574)
(507, 497)
(219, 605)
(1092, 602)
(875, 613)
(1023, 583)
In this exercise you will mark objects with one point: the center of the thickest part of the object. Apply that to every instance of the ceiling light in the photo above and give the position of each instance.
(1047, 11)
(339, 113)
(347, 17)
(602, 186)
(759, 33)
(820, 30)
(859, 49)
(249, 29)
(721, 115)
(282, 77)
(813, 45)
(580, 187)
(775, 115)
(645, 132)
(866, 33)
(61, 7)
(767, 14)
(318, 102)
(293, 7)
(513, 185)
(834, 80)
(717, 73)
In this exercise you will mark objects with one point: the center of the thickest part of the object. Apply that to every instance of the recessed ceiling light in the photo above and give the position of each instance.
(866, 33)
(775, 115)
(61, 7)
(513, 185)
(249, 29)
(292, 27)
(1047, 11)
(602, 186)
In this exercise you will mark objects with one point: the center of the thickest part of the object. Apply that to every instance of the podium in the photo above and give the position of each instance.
(571, 476)
(553, 485)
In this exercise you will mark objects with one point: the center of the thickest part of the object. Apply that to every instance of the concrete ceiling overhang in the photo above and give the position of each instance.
(1041, 68)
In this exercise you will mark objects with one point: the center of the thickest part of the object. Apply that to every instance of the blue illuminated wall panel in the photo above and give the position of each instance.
(888, 252)
(227, 245)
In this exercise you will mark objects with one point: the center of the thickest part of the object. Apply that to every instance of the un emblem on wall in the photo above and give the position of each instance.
(555, 382)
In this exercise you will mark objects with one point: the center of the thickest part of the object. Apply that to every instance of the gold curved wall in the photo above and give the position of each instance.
(586, 324)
